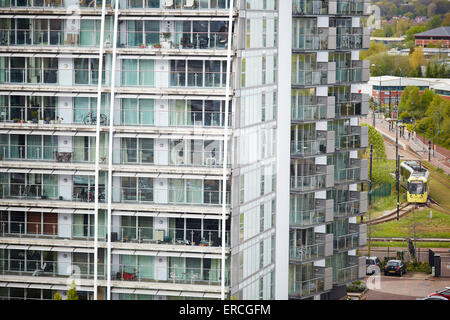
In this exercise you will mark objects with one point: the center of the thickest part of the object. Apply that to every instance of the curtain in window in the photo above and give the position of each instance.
(146, 146)
(34, 148)
(214, 273)
(3, 71)
(129, 111)
(50, 145)
(129, 72)
(50, 188)
(81, 67)
(129, 150)
(87, 32)
(176, 268)
(128, 263)
(178, 113)
(194, 191)
(134, 30)
(172, 226)
(102, 149)
(79, 150)
(101, 225)
(146, 227)
(14, 149)
(193, 268)
(146, 111)
(128, 227)
(146, 73)
(80, 109)
(78, 225)
(176, 190)
(146, 268)
(151, 32)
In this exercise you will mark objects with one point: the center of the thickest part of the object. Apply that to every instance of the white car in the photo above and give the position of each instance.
(373, 265)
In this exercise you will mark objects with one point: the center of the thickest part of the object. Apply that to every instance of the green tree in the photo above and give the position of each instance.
(376, 140)
(72, 292)
(57, 296)
(434, 22)
(446, 21)
(414, 30)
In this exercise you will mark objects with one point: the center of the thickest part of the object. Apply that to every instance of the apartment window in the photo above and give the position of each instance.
(197, 73)
(142, 33)
(138, 72)
(208, 113)
(85, 110)
(136, 189)
(86, 71)
(83, 225)
(28, 70)
(138, 111)
(137, 150)
(84, 149)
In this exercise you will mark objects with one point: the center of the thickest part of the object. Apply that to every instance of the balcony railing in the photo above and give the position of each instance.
(307, 287)
(307, 217)
(82, 231)
(120, 272)
(310, 42)
(346, 274)
(346, 208)
(309, 108)
(309, 7)
(308, 148)
(143, 195)
(353, 8)
(348, 142)
(308, 183)
(346, 241)
(348, 175)
(305, 253)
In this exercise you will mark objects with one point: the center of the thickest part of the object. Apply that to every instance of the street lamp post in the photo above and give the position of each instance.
(397, 158)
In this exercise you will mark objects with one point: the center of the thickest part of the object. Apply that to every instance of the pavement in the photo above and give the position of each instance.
(411, 286)
(409, 148)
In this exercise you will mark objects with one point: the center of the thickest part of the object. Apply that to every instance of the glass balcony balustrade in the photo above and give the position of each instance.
(348, 75)
(143, 272)
(129, 78)
(346, 241)
(308, 108)
(349, 38)
(309, 7)
(152, 117)
(309, 287)
(344, 209)
(351, 8)
(306, 253)
(348, 142)
(310, 42)
(348, 175)
(178, 5)
(308, 148)
(347, 273)
(308, 183)
(83, 231)
(129, 39)
(301, 218)
(141, 195)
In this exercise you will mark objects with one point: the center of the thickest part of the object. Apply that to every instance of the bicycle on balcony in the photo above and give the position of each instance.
(90, 118)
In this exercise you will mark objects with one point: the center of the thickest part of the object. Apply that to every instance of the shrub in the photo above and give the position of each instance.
(418, 267)
(357, 286)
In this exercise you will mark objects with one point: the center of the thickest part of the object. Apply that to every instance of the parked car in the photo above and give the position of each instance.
(433, 298)
(441, 293)
(395, 267)
(373, 265)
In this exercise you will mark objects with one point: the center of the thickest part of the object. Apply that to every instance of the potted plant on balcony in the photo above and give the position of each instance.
(157, 46)
(34, 116)
(141, 45)
(166, 43)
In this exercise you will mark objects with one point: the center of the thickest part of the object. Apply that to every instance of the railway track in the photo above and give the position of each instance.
(403, 209)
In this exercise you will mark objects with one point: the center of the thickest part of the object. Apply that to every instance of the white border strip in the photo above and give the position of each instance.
(110, 150)
(97, 144)
(225, 146)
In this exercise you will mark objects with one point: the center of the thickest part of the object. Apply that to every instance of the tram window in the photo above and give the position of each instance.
(416, 188)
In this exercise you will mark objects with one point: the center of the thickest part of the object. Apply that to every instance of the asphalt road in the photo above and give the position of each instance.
(408, 287)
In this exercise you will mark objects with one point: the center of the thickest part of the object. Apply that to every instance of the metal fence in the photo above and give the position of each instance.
(381, 191)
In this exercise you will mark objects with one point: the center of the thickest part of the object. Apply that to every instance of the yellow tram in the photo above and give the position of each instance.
(414, 177)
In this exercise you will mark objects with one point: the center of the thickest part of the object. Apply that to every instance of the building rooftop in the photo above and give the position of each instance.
(437, 32)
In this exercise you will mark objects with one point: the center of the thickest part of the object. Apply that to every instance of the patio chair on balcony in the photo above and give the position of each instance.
(38, 271)
(189, 4)
(168, 4)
